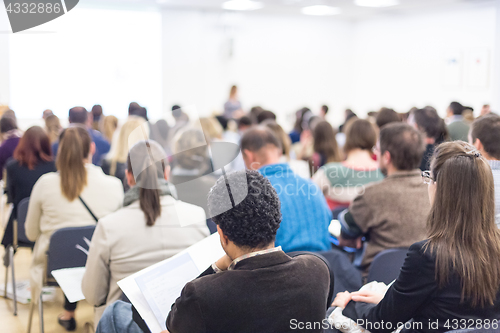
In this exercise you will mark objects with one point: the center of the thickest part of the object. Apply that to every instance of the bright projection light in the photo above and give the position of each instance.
(376, 3)
(242, 5)
(320, 10)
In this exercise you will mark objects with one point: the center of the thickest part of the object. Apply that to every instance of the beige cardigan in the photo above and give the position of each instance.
(123, 244)
(49, 211)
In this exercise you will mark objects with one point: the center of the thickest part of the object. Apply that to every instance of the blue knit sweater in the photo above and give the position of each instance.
(305, 213)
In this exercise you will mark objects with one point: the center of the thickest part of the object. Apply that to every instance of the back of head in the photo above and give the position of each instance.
(78, 115)
(462, 230)
(254, 112)
(386, 116)
(456, 108)
(265, 115)
(109, 126)
(280, 134)
(96, 112)
(429, 122)
(132, 107)
(325, 109)
(360, 134)
(191, 151)
(53, 127)
(325, 142)
(487, 129)
(244, 122)
(74, 148)
(211, 128)
(147, 163)
(252, 223)
(176, 111)
(7, 123)
(258, 138)
(405, 145)
(33, 148)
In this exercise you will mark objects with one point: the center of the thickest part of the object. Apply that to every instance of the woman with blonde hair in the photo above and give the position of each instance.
(75, 196)
(132, 131)
(108, 126)
(53, 127)
(450, 280)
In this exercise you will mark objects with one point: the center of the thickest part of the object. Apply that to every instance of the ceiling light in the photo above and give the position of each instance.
(376, 3)
(320, 10)
(242, 5)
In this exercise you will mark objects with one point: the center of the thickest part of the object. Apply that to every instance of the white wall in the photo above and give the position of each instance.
(279, 62)
(399, 60)
(4, 58)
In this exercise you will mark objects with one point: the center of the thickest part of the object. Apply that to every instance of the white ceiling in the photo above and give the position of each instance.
(293, 7)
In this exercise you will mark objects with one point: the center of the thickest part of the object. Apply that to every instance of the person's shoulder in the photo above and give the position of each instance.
(420, 251)
(12, 164)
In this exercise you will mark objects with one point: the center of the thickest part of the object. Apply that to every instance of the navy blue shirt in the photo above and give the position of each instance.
(101, 146)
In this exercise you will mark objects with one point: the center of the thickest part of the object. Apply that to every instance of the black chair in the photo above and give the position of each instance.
(347, 277)
(386, 265)
(66, 250)
(19, 240)
(211, 226)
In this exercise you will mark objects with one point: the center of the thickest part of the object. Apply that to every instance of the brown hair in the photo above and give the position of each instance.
(386, 116)
(146, 176)
(404, 143)
(53, 127)
(33, 148)
(281, 135)
(74, 148)
(461, 225)
(325, 142)
(487, 129)
(233, 91)
(360, 134)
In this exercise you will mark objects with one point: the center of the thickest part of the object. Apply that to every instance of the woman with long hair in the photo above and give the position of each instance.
(108, 126)
(341, 182)
(32, 159)
(75, 196)
(152, 226)
(451, 280)
(53, 127)
(232, 108)
(325, 146)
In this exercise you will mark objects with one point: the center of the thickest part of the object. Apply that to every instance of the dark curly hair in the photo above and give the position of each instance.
(254, 220)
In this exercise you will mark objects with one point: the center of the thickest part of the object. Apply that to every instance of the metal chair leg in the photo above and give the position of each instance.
(32, 310)
(7, 249)
(14, 292)
(40, 312)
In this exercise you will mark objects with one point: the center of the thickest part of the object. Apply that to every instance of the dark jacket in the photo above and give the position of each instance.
(415, 294)
(6, 151)
(261, 294)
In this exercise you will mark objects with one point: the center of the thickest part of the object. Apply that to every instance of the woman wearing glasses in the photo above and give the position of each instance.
(450, 280)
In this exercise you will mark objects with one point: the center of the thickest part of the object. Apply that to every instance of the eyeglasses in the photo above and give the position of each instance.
(427, 177)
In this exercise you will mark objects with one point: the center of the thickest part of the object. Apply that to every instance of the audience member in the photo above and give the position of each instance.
(454, 274)
(485, 109)
(301, 120)
(341, 182)
(386, 116)
(145, 231)
(254, 112)
(324, 145)
(244, 123)
(96, 114)
(212, 129)
(323, 112)
(134, 109)
(11, 136)
(348, 116)
(108, 127)
(265, 115)
(306, 215)
(181, 120)
(79, 116)
(31, 159)
(47, 113)
(390, 213)
(161, 129)
(114, 163)
(485, 136)
(468, 114)
(457, 126)
(300, 167)
(232, 108)
(53, 128)
(77, 195)
(433, 128)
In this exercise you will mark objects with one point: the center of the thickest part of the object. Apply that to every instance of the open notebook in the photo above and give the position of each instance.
(153, 290)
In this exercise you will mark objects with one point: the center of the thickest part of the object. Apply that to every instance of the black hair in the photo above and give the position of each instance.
(253, 222)
(244, 121)
(325, 108)
(265, 115)
(7, 123)
(258, 137)
(456, 108)
(429, 122)
(404, 143)
(78, 115)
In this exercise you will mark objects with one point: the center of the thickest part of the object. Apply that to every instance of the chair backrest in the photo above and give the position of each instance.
(22, 212)
(65, 248)
(347, 277)
(386, 265)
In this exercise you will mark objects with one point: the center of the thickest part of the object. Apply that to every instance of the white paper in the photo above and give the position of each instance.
(70, 281)
(202, 255)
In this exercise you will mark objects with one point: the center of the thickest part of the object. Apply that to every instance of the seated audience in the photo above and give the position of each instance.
(485, 136)
(485, 109)
(108, 127)
(46, 113)
(458, 128)
(348, 115)
(306, 216)
(145, 231)
(325, 146)
(390, 213)
(255, 287)
(75, 196)
(323, 112)
(453, 276)
(386, 116)
(114, 163)
(432, 127)
(53, 128)
(301, 119)
(211, 128)
(265, 115)
(11, 136)
(96, 116)
(181, 120)
(341, 182)
(80, 117)
(31, 159)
